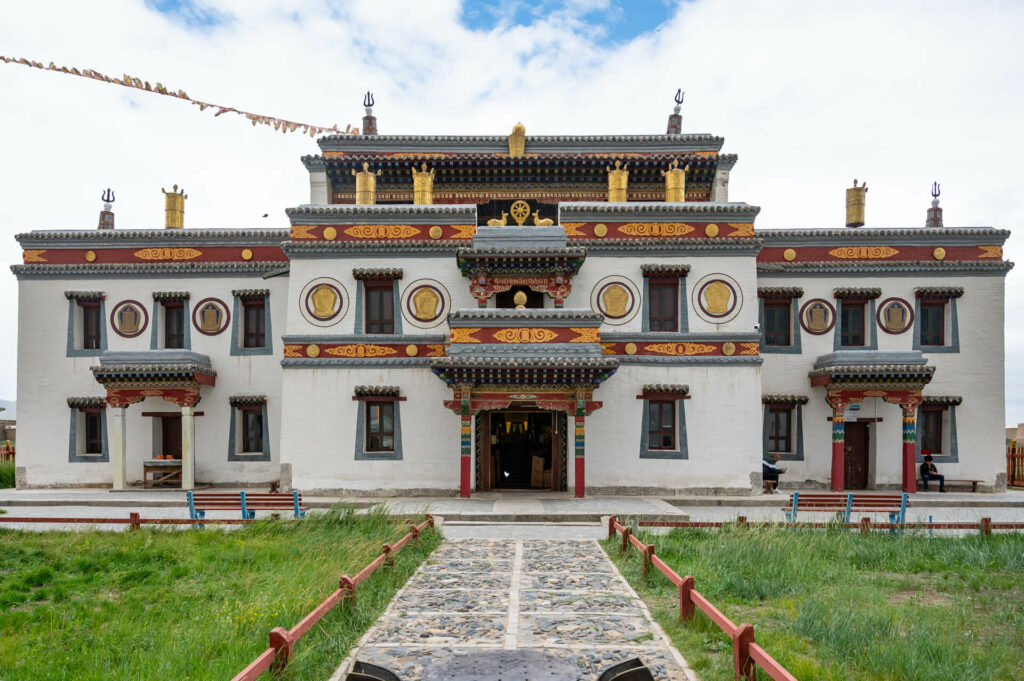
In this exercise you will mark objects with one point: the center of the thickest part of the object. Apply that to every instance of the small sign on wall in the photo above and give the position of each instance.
(852, 413)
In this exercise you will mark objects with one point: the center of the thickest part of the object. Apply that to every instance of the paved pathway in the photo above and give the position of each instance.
(559, 597)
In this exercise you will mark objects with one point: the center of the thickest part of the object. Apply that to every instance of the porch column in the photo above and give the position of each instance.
(117, 447)
(909, 448)
(188, 448)
(838, 448)
(465, 461)
(581, 480)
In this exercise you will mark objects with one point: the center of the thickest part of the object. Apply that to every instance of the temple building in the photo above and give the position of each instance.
(459, 314)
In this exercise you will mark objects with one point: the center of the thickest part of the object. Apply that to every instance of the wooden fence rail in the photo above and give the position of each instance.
(984, 525)
(1015, 464)
(747, 655)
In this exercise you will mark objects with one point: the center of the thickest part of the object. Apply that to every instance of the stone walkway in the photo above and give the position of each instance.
(559, 597)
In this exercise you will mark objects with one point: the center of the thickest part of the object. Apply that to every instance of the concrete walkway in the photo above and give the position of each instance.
(561, 598)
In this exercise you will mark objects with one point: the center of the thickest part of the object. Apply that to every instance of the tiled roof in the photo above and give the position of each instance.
(885, 266)
(236, 400)
(655, 269)
(377, 390)
(854, 292)
(91, 402)
(529, 313)
(377, 273)
(84, 295)
(779, 292)
(780, 398)
(943, 399)
(939, 291)
(867, 371)
(171, 295)
(526, 362)
(677, 388)
(251, 292)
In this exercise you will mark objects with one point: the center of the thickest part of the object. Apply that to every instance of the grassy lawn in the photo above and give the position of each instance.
(831, 605)
(186, 604)
(6, 474)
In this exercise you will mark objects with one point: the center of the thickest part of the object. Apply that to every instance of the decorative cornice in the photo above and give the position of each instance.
(377, 390)
(854, 292)
(338, 249)
(661, 270)
(779, 292)
(582, 211)
(363, 273)
(86, 402)
(251, 292)
(525, 362)
(246, 400)
(947, 400)
(178, 269)
(84, 295)
(858, 372)
(151, 237)
(939, 291)
(669, 246)
(416, 214)
(887, 267)
(171, 295)
(779, 398)
(890, 235)
(532, 314)
(534, 144)
(678, 388)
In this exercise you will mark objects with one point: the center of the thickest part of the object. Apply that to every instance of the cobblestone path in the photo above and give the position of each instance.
(563, 598)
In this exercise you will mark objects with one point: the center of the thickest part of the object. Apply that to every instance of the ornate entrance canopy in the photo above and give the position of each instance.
(491, 270)
(174, 375)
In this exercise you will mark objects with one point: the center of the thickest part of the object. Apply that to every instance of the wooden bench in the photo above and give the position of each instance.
(165, 472)
(973, 483)
(844, 504)
(247, 503)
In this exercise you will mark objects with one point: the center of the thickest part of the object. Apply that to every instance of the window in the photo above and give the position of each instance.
(933, 322)
(93, 432)
(91, 320)
(254, 323)
(252, 430)
(174, 324)
(663, 304)
(851, 323)
(380, 426)
(777, 323)
(87, 442)
(661, 425)
(380, 311)
(780, 420)
(931, 431)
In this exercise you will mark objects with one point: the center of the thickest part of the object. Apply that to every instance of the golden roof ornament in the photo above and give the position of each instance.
(520, 210)
(675, 182)
(422, 185)
(618, 180)
(520, 300)
(855, 199)
(541, 222)
(366, 186)
(517, 141)
(174, 208)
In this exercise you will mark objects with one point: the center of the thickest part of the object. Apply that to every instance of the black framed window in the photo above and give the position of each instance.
(851, 321)
(252, 430)
(661, 425)
(663, 304)
(933, 323)
(780, 429)
(777, 323)
(931, 431)
(380, 426)
(254, 323)
(174, 325)
(90, 325)
(93, 432)
(380, 309)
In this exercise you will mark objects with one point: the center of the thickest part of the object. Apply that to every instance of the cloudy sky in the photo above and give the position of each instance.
(809, 94)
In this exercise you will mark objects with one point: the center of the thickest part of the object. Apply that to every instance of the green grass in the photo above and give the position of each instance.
(187, 604)
(836, 606)
(6, 474)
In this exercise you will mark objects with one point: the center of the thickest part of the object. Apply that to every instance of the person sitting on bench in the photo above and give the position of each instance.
(929, 472)
(770, 473)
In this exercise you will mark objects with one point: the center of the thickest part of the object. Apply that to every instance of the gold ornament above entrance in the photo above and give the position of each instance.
(520, 210)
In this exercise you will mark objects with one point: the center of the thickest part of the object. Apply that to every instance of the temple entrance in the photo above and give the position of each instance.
(170, 437)
(521, 449)
(856, 459)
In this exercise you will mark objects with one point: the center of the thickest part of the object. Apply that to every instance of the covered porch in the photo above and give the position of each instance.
(850, 377)
(175, 376)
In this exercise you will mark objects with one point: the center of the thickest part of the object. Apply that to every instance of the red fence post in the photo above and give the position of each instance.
(430, 521)
(414, 530)
(389, 560)
(743, 666)
(986, 526)
(645, 558)
(348, 589)
(134, 523)
(686, 606)
(611, 526)
(284, 646)
(865, 525)
(626, 531)
(741, 520)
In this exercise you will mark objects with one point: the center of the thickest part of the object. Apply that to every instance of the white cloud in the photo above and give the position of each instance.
(810, 95)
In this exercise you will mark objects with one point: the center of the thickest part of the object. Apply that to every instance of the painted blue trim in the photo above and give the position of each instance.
(794, 330)
(236, 349)
(73, 455)
(360, 447)
(797, 455)
(954, 330)
(954, 449)
(396, 309)
(246, 513)
(684, 309)
(360, 323)
(73, 317)
(299, 513)
(233, 453)
(682, 450)
(156, 341)
(154, 326)
(870, 328)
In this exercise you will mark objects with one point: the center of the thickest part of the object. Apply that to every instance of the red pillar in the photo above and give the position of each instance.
(838, 449)
(467, 448)
(581, 480)
(909, 449)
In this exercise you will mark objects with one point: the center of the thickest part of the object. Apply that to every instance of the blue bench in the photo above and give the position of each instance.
(246, 503)
(844, 504)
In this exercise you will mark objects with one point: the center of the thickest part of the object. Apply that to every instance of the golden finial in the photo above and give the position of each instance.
(517, 141)
(855, 200)
(675, 182)
(366, 186)
(174, 208)
(618, 181)
(422, 185)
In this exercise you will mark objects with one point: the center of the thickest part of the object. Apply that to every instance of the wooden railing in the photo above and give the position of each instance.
(282, 641)
(984, 525)
(6, 452)
(133, 521)
(1015, 464)
(747, 656)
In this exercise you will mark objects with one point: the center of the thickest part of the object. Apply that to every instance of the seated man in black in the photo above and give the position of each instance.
(770, 473)
(929, 472)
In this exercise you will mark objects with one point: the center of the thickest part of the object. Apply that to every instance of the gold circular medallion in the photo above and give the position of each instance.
(789, 254)
(711, 230)
(600, 230)
(90, 256)
(436, 232)
(312, 350)
(246, 254)
(939, 253)
(728, 348)
(330, 233)
(411, 350)
(630, 348)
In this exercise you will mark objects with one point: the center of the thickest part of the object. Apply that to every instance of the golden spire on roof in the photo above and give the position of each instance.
(675, 182)
(618, 181)
(422, 185)
(517, 141)
(366, 186)
(174, 208)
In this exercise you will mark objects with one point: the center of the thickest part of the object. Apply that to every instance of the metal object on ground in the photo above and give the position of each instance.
(507, 665)
(364, 671)
(630, 670)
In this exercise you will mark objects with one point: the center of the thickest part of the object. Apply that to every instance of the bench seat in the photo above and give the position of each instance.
(973, 483)
(246, 503)
(845, 504)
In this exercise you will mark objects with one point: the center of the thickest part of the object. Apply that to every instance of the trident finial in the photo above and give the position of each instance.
(368, 99)
(935, 190)
(108, 196)
(679, 96)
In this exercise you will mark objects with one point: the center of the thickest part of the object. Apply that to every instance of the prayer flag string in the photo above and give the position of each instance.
(130, 81)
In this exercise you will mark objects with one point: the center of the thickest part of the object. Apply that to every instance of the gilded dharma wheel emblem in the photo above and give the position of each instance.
(519, 211)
